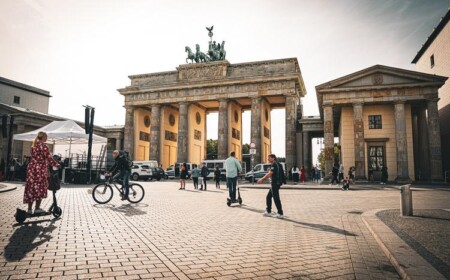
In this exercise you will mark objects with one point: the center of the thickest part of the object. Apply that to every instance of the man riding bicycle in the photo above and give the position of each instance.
(121, 169)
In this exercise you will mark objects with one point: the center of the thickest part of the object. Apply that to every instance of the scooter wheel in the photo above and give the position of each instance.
(20, 216)
(57, 212)
(240, 201)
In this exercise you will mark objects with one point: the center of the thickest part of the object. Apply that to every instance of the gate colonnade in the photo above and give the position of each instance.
(166, 112)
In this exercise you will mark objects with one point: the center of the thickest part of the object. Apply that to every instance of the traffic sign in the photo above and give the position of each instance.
(253, 151)
(252, 145)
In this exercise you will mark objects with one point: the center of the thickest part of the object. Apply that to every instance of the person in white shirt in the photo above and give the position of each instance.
(295, 174)
(233, 167)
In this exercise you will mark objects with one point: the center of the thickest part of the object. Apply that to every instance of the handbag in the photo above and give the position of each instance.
(54, 183)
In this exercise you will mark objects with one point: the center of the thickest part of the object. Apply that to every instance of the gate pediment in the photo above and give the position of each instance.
(378, 77)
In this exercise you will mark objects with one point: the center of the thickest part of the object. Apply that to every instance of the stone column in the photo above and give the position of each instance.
(328, 139)
(291, 128)
(155, 133)
(401, 143)
(182, 152)
(360, 154)
(434, 139)
(306, 152)
(256, 128)
(222, 149)
(424, 154)
(128, 137)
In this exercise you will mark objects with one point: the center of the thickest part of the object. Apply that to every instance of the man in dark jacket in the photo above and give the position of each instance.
(204, 172)
(121, 169)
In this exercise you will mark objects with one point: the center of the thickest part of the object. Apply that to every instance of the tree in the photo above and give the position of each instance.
(211, 148)
(245, 149)
(336, 157)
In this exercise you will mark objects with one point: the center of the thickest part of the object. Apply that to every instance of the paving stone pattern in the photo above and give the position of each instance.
(424, 232)
(191, 234)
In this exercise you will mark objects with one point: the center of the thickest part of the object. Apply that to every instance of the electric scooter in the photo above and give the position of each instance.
(239, 200)
(55, 210)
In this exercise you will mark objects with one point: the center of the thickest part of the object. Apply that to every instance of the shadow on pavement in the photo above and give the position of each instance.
(303, 224)
(22, 240)
(130, 209)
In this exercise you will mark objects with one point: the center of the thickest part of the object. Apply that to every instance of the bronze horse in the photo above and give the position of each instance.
(190, 55)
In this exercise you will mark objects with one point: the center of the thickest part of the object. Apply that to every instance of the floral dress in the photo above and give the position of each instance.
(37, 173)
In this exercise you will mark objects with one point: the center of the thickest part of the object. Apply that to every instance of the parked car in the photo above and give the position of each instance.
(158, 173)
(141, 172)
(260, 170)
(169, 174)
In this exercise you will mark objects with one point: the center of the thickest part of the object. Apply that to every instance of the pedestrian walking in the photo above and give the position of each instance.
(36, 184)
(195, 174)
(334, 174)
(351, 174)
(217, 174)
(384, 175)
(317, 171)
(313, 174)
(232, 167)
(277, 175)
(183, 176)
(295, 174)
(204, 172)
(341, 172)
(303, 174)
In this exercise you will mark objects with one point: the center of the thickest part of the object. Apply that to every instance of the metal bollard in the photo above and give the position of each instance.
(406, 200)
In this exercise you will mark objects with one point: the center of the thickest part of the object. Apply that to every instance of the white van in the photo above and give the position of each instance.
(173, 171)
(211, 164)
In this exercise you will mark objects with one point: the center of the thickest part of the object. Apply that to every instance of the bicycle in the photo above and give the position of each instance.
(103, 192)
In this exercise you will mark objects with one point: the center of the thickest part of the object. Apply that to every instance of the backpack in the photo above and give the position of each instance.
(126, 155)
(281, 176)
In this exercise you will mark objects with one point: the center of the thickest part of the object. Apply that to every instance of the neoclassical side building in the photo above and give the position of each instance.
(166, 112)
(384, 116)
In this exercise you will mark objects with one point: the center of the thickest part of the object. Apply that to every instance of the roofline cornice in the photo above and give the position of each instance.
(434, 34)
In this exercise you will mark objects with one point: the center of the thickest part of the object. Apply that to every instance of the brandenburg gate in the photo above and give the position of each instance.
(166, 111)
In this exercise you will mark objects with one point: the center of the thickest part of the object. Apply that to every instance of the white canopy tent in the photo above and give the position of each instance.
(62, 132)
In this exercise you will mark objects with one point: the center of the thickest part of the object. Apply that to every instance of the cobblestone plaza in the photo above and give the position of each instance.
(193, 235)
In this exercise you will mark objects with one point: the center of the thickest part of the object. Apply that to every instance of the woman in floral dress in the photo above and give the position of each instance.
(37, 173)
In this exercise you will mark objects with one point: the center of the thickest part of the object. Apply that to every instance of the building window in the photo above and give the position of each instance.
(375, 122)
(376, 157)
(432, 60)
(16, 100)
(144, 136)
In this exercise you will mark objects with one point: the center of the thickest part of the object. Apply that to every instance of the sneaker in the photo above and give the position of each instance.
(29, 212)
(124, 198)
(267, 214)
(279, 216)
(38, 211)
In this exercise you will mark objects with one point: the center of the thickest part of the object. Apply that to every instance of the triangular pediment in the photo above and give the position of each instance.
(381, 76)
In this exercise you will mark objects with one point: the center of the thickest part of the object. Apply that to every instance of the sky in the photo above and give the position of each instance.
(83, 51)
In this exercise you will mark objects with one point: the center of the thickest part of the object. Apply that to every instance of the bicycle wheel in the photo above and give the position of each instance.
(136, 193)
(102, 193)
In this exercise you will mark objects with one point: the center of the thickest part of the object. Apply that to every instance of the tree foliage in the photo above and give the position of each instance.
(336, 156)
(211, 148)
(245, 149)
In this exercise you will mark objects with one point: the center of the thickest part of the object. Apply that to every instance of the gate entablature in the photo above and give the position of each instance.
(214, 80)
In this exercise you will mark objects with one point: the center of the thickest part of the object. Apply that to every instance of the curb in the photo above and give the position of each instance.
(7, 188)
(408, 263)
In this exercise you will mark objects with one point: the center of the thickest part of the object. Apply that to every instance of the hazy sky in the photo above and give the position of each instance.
(83, 51)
